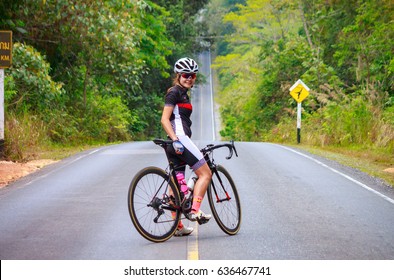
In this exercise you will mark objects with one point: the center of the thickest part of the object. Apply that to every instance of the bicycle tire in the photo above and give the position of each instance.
(146, 196)
(227, 213)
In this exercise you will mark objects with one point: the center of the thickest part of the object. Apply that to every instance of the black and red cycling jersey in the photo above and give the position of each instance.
(178, 98)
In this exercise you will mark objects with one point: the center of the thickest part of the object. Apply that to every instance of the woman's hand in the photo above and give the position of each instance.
(178, 147)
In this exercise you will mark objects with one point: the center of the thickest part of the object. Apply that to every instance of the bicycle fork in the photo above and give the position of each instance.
(224, 190)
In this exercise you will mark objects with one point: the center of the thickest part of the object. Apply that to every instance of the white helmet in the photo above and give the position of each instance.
(186, 65)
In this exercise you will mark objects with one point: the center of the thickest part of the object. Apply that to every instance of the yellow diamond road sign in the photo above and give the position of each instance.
(299, 91)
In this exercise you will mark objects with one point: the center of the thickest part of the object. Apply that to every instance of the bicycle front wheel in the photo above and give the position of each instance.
(153, 199)
(224, 201)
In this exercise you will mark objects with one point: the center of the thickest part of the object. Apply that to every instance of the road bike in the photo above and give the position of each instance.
(156, 203)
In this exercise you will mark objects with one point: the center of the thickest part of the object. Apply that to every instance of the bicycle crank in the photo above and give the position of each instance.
(187, 205)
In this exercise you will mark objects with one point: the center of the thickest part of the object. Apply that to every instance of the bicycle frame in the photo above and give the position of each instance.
(207, 152)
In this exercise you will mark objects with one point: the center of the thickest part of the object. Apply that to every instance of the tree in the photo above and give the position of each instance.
(365, 50)
(341, 49)
(105, 52)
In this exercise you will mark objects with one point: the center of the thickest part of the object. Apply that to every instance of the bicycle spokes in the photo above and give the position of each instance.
(153, 199)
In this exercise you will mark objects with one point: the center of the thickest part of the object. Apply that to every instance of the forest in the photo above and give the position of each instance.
(342, 50)
(92, 72)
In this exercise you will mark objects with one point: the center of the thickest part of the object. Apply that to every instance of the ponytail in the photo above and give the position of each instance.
(175, 82)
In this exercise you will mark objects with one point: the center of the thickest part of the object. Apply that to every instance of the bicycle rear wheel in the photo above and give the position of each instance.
(224, 201)
(152, 199)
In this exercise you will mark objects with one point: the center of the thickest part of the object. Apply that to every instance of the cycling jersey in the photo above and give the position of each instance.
(178, 98)
(181, 124)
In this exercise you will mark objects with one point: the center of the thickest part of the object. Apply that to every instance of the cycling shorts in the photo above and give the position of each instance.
(191, 155)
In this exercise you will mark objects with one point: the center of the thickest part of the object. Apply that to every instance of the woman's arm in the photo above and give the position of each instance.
(165, 122)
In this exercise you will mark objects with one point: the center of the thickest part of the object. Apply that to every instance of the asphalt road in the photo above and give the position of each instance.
(295, 206)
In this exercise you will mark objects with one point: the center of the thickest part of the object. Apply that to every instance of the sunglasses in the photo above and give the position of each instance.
(189, 75)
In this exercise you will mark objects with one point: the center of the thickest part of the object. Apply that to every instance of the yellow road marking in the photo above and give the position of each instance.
(192, 245)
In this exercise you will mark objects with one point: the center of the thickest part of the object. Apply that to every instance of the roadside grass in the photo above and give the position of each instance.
(376, 163)
(59, 152)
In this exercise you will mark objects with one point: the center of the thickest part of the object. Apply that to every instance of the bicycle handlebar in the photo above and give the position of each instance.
(230, 146)
(207, 149)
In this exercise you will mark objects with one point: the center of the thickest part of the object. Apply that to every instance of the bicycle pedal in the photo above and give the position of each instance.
(202, 221)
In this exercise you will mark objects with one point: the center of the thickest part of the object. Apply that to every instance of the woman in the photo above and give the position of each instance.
(177, 124)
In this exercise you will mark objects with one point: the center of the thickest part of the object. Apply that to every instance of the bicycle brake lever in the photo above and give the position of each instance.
(230, 148)
(235, 150)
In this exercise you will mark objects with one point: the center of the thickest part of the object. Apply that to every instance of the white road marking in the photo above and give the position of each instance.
(342, 174)
(132, 152)
(57, 169)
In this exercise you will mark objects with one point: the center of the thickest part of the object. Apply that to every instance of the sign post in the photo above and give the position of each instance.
(5, 62)
(299, 91)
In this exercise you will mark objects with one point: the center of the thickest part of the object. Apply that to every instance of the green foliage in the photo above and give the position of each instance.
(9, 89)
(342, 50)
(261, 61)
(105, 119)
(364, 49)
(95, 71)
(29, 85)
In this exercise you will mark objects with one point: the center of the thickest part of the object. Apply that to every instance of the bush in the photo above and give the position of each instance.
(104, 119)
(23, 134)
(34, 88)
(346, 123)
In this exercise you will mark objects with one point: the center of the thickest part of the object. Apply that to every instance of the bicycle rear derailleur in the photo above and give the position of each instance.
(156, 204)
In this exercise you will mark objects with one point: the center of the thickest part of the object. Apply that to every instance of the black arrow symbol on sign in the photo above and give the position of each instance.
(299, 93)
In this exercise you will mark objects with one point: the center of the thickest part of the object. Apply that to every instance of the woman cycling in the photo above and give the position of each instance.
(177, 124)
